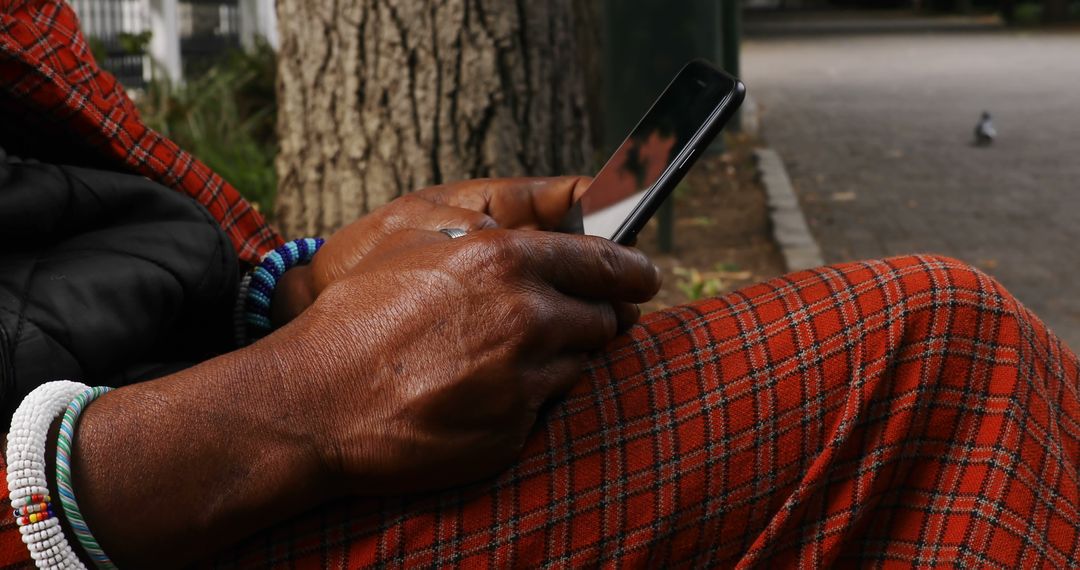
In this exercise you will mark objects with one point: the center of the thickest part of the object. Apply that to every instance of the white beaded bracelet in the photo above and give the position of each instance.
(28, 485)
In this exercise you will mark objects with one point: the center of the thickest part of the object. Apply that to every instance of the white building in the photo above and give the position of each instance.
(179, 29)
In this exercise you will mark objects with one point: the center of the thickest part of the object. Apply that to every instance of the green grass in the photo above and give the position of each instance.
(1031, 13)
(226, 118)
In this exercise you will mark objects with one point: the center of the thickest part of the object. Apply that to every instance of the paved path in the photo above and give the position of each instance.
(876, 129)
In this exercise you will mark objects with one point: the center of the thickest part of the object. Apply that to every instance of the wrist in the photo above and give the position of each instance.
(346, 431)
(191, 462)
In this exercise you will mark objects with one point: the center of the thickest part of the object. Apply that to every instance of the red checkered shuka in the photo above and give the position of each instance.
(899, 412)
(905, 412)
(48, 73)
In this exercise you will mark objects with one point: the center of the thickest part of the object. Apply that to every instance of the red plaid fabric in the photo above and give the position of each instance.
(48, 75)
(905, 412)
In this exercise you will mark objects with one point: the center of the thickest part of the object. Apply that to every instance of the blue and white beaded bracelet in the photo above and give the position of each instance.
(65, 444)
(262, 282)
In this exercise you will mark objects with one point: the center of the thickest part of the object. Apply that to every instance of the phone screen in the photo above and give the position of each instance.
(658, 140)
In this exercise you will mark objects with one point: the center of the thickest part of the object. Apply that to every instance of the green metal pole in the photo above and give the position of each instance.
(646, 42)
(717, 9)
(731, 36)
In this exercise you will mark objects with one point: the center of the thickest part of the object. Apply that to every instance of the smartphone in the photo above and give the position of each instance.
(659, 151)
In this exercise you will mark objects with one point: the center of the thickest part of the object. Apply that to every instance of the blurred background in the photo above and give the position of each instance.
(319, 111)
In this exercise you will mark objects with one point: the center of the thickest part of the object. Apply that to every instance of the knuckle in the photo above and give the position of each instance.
(526, 312)
(482, 222)
(609, 259)
(484, 253)
(404, 208)
(408, 200)
(427, 192)
(502, 250)
(393, 218)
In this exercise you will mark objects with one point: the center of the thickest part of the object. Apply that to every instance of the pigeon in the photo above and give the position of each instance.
(984, 131)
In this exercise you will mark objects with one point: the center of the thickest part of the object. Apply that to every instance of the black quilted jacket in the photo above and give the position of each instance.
(105, 278)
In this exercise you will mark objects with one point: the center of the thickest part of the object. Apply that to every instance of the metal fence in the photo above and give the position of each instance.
(105, 22)
(206, 29)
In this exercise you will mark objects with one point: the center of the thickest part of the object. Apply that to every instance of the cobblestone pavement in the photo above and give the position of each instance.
(876, 132)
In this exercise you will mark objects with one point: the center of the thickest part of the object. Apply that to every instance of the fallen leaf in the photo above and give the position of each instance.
(701, 221)
(843, 196)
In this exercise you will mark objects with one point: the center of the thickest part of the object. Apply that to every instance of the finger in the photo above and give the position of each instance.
(421, 214)
(577, 325)
(550, 199)
(462, 218)
(340, 253)
(590, 267)
(518, 203)
(627, 314)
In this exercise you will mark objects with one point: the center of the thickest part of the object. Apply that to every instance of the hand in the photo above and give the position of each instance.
(424, 367)
(511, 203)
(429, 361)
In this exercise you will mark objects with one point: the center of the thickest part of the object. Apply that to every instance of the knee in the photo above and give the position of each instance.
(942, 283)
(957, 320)
(935, 303)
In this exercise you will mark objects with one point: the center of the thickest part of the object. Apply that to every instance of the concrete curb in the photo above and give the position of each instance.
(792, 234)
(750, 116)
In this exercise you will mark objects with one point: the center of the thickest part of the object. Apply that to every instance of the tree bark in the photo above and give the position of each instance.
(378, 98)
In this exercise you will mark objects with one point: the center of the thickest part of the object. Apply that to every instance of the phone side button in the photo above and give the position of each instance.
(686, 159)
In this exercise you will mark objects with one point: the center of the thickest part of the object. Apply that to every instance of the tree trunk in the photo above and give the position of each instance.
(378, 98)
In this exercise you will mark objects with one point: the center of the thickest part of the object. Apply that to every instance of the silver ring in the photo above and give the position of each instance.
(453, 233)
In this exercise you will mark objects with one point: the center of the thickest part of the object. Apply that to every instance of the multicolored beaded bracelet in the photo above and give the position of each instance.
(64, 444)
(30, 501)
(27, 482)
(34, 507)
(35, 517)
(265, 277)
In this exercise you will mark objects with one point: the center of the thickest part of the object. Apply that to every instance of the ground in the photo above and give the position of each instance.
(875, 126)
(721, 230)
